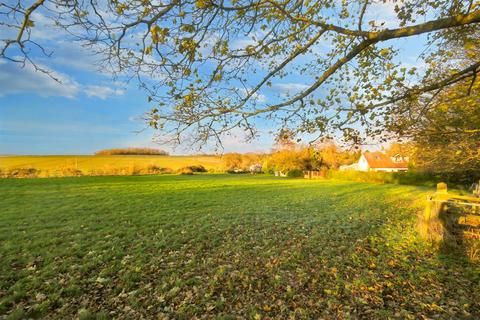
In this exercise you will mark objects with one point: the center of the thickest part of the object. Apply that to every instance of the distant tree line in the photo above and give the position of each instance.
(288, 155)
(132, 151)
(429, 162)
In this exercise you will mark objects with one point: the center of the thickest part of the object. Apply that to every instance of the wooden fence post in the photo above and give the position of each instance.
(442, 187)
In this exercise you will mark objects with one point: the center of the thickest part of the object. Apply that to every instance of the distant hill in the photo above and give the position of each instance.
(131, 151)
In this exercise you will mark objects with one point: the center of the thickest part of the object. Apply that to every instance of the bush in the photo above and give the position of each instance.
(373, 177)
(74, 172)
(295, 173)
(151, 169)
(132, 170)
(197, 168)
(70, 172)
(22, 173)
(191, 169)
(167, 171)
(132, 151)
(185, 170)
(416, 178)
(154, 169)
(241, 162)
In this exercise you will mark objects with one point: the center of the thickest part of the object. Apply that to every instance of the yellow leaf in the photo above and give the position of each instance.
(201, 4)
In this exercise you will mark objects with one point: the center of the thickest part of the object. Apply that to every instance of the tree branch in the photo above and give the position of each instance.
(461, 75)
(374, 37)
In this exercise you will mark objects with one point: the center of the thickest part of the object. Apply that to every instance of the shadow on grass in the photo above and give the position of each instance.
(458, 270)
(219, 247)
(460, 231)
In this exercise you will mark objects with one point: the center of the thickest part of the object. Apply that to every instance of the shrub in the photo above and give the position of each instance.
(151, 169)
(295, 173)
(70, 172)
(241, 162)
(166, 171)
(428, 179)
(185, 170)
(154, 169)
(132, 151)
(132, 170)
(197, 168)
(22, 173)
(232, 161)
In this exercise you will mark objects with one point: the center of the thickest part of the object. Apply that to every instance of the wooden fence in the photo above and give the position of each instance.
(442, 202)
(314, 174)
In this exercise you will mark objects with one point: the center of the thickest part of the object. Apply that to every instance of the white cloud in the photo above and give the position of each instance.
(242, 44)
(72, 54)
(102, 92)
(260, 97)
(380, 11)
(384, 8)
(236, 141)
(257, 96)
(288, 88)
(15, 79)
(62, 49)
(44, 28)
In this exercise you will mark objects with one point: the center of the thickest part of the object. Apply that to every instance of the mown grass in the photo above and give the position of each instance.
(101, 162)
(226, 247)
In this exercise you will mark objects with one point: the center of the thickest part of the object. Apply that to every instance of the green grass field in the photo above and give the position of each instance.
(223, 247)
(89, 163)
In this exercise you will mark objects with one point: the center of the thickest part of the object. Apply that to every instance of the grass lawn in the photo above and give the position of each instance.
(225, 247)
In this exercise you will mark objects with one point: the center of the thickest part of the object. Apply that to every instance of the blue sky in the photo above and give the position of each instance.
(85, 112)
(89, 110)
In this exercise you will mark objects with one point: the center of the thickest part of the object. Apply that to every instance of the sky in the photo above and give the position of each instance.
(88, 110)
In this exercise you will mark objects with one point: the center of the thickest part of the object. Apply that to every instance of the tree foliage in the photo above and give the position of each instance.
(444, 125)
(447, 135)
(207, 63)
(323, 155)
(241, 161)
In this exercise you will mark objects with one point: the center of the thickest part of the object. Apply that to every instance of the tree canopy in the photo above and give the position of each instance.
(446, 129)
(206, 64)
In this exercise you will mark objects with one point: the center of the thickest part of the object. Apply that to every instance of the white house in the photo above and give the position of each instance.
(255, 168)
(378, 161)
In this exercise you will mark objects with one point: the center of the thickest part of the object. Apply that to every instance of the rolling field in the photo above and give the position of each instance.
(89, 163)
(223, 247)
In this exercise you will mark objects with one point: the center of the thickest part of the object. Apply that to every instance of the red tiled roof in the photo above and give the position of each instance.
(380, 160)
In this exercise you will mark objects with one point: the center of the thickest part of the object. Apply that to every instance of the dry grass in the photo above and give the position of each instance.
(67, 166)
